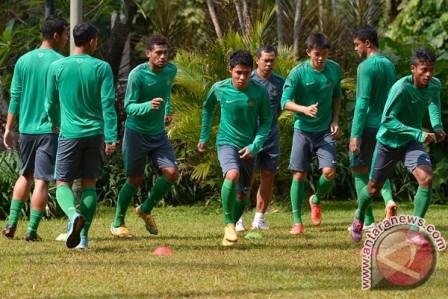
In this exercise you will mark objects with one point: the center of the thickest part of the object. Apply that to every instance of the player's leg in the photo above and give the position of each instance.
(299, 164)
(163, 158)
(243, 189)
(43, 174)
(23, 184)
(326, 153)
(417, 161)
(134, 157)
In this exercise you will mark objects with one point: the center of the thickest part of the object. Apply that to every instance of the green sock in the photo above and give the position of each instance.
(158, 191)
(124, 198)
(422, 199)
(35, 217)
(324, 185)
(228, 194)
(87, 208)
(66, 200)
(238, 208)
(364, 200)
(14, 211)
(297, 194)
(361, 180)
(386, 192)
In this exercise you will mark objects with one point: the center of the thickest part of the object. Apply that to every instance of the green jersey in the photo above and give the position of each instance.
(81, 96)
(307, 86)
(144, 85)
(403, 114)
(375, 77)
(28, 91)
(245, 115)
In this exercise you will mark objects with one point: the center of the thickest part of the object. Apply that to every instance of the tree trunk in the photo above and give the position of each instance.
(297, 27)
(212, 12)
(49, 7)
(246, 17)
(280, 23)
(239, 14)
(321, 15)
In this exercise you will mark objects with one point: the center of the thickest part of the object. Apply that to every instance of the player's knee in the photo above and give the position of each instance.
(329, 173)
(373, 190)
(135, 181)
(426, 180)
(232, 175)
(299, 176)
(171, 174)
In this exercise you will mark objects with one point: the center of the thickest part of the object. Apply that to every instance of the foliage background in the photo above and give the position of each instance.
(201, 58)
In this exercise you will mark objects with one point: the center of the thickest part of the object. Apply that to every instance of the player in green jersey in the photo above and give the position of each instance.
(37, 141)
(375, 76)
(81, 97)
(401, 137)
(312, 91)
(244, 125)
(147, 105)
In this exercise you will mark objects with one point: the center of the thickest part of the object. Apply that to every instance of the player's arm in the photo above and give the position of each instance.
(168, 116)
(337, 97)
(208, 113)
(14, 107)
(363, 97)
(52, 98)
(435, 117)
(393, 107)
(265, 120)
(288, 101)
(131, 105)
(108, 108)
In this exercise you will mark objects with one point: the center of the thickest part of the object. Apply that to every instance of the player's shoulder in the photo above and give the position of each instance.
(170, 67)
(435, 83)
(333, 65)
(277, 78)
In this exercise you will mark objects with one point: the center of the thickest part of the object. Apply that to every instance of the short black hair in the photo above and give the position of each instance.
(83, 33)
(367, 33)
(423, 55)
(318, 41)
(241, 57)
(266, 49)
(53, 24)
(156, 39)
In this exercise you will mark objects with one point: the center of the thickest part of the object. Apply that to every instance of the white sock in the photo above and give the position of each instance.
(258, 217)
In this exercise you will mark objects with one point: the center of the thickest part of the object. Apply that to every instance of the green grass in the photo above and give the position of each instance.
(322, 263)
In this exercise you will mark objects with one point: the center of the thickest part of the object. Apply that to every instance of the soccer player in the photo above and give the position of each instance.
(244, 125)
(37, 140)
(401, 136)
(375, 76)
(81, 96)
(268, 158)
(147, 103)
(313, 91)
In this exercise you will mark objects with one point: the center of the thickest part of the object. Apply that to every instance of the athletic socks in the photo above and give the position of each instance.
(361, 181)
(14, 211)
(239, 206)
(157, 192)
(124, 198)
(66, 200)
(364, 201)
(87, 208)
(422, 199)
(297, 194)
(259, 216)
(35, 217)
(228, 197)
(323, 187)
(386, 192)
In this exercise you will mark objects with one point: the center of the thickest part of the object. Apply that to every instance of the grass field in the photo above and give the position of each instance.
(322, 263)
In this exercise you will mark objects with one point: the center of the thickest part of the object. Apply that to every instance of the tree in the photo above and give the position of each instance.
(212, 12)
(297, 27)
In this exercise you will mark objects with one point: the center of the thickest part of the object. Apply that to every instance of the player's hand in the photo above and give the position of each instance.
(355, 145)
(167, 120)
(334, 128)
(9, 139)
(429, 137)
(440, 136)
(311, 110)
(202, 147)
(110, 148)
(156, 102)
(245, 154)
